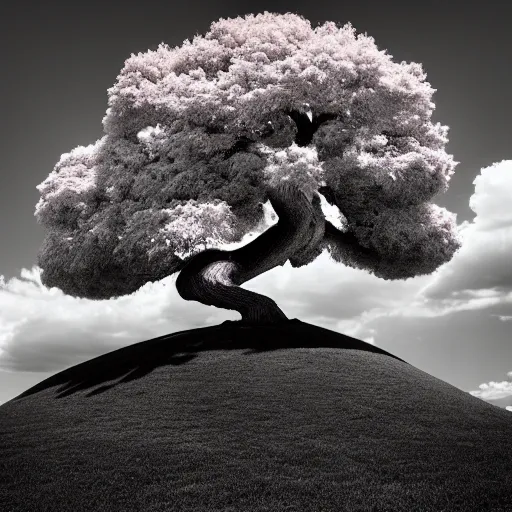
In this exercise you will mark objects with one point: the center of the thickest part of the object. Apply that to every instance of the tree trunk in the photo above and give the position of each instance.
(213, 277)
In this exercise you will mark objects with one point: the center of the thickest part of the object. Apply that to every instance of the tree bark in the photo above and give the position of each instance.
(213, 277)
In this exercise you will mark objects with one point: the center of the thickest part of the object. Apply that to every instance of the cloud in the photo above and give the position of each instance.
(479, 276)
(509, 408)
(504, 318)
(494, 390)
(483, 263)
(43, 330)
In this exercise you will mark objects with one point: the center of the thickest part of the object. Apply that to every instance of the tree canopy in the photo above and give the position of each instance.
(195, 135)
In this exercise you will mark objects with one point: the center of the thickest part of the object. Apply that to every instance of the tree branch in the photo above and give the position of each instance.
(306, 128)
(348, 246)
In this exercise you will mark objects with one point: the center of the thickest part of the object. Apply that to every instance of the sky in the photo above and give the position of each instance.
(456, 324)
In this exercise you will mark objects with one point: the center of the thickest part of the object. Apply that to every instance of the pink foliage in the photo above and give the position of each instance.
(194, 134)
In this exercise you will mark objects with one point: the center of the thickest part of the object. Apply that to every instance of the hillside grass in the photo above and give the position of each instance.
(305, 429)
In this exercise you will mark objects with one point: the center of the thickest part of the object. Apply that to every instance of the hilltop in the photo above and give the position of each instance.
(252, 418)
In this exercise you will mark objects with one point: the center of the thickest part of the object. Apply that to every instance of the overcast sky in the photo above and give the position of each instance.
(58, 62)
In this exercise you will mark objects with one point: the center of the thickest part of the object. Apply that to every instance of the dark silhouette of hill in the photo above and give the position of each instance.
(138, 360)
(250, 418)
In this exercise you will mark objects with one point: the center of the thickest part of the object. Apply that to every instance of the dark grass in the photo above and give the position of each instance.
(219, 419)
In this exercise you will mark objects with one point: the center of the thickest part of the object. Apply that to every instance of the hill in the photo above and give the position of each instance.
(239, 418)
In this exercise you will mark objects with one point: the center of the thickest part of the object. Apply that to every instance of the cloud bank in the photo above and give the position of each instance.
(494, 390)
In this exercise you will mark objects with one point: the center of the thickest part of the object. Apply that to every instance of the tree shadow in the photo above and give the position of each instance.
(135, 361)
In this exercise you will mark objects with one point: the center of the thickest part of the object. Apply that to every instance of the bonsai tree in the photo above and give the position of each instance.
(263, 108)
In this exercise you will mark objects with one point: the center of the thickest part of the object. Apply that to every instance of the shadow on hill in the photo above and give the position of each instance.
(135, 361)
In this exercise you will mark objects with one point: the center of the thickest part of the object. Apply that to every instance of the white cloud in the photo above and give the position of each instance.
(43, 330)
(509, 408)
(494, 390)
(504, 318)
(483, 263)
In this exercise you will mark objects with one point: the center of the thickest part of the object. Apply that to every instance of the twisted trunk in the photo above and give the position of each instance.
(213, 277)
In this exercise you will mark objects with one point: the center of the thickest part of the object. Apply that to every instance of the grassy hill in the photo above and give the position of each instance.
(231, 418)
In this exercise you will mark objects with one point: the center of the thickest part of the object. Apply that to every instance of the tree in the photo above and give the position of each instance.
(261, 108)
